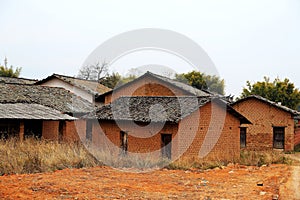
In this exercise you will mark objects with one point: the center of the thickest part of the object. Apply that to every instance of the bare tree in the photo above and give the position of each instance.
(94, 72)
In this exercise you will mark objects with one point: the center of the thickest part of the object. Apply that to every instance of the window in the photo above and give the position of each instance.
(89, 127)
(243, 137)
(166, 145)
(278, 137)
(124, 142)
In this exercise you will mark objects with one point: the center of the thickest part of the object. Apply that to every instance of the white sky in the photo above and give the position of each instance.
(245, 39)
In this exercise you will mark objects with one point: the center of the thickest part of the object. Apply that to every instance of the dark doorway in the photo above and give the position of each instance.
(243, 137)
(61, 126)
(166, 145)
(9, 128)
(33, 128)
(124, 142)
(278, 137)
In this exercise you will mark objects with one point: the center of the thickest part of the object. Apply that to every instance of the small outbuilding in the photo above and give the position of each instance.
(273, 125)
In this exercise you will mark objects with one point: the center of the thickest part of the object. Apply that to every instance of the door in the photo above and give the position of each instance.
(278, 137)
(124, 142)
(166, 144)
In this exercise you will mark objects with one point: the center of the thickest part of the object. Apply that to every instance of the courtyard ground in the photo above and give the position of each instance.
(231, 182)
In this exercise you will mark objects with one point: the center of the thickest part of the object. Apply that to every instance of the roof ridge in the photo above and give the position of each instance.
(66, 76)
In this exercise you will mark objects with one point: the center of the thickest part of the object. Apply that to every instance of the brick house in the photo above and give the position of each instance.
(46, 112)
(272, 124)
(172, 127)
(151, 84)
(86, 89)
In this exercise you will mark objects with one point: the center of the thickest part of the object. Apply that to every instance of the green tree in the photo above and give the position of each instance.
(277, 91)
(9, 71)
(115, 80)
(202, 81)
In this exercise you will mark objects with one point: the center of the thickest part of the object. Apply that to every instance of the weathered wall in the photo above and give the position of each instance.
(264, 117)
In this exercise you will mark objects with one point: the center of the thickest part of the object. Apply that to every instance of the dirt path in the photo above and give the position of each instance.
(234, 182)
(291, 190)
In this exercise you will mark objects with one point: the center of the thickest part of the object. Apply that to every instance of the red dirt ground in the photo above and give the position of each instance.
(232, 182)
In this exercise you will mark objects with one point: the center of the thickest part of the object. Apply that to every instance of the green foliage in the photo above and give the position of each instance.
(115, 79)
(9, 71)
(202, 81)
(277, 91)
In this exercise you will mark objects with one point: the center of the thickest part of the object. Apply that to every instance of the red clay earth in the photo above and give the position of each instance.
(231, 182)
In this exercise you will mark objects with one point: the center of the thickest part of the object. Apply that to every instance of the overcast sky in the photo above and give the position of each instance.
(246, 40)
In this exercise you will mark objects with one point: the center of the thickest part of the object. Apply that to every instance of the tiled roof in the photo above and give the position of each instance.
(56, 98)
(90, 86)
(293, 112)
(31, 111)
(155, 109)
(17, 80)
(191, 90)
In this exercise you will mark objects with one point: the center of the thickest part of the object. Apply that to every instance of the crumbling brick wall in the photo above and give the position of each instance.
(264, 116)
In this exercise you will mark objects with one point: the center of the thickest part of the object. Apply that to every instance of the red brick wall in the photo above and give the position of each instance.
(297, 134)
(50, 130)
(107, 135)
(264, 117)
(147, 86)
(75, 130)
(221, 130)
(72, 130)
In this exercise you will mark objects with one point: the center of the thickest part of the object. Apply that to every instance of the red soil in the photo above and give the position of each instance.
(232, 182)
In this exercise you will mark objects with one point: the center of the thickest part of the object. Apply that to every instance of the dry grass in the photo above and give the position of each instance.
(33, 156)
(260, 158)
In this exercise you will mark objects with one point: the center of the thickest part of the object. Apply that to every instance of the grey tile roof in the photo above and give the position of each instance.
(92, 87)
(155, 109)
(31, 111)
(17, 80)
(293, 112)
(56, 98)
